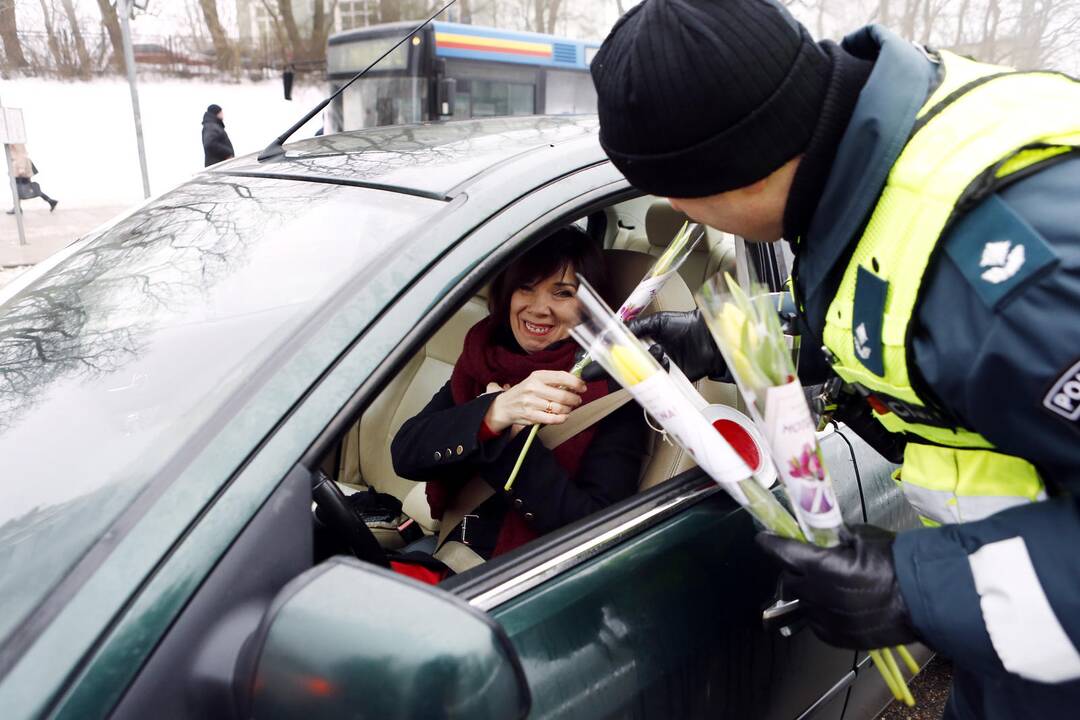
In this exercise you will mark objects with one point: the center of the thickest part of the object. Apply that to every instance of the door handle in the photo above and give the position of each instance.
(779, 609)
(785, 616)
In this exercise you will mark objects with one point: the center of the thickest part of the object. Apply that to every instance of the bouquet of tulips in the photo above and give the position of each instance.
(669, 262)
(747, 331)
(603, 334)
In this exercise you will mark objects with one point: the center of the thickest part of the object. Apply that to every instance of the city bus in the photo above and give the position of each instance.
(453, 71)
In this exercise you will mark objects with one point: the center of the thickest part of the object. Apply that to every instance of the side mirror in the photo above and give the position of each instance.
(447, 91)
(348, 639)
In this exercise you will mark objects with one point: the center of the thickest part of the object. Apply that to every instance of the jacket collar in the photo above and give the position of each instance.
(902, 79)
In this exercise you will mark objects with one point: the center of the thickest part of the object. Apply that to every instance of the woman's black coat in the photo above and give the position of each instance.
(215, 141)
(442, 443)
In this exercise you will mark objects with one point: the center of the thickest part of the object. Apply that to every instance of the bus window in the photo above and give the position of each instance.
(370, 102)
(568, 93)
(494, 98)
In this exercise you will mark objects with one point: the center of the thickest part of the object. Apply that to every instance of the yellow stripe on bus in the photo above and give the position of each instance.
(493, 42)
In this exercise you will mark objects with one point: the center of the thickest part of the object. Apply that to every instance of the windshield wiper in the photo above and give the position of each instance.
(275, 149)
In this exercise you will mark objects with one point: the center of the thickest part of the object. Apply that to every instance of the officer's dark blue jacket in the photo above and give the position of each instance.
(1002, 357)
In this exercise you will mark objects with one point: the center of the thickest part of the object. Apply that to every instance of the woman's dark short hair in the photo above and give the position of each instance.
(567, 246)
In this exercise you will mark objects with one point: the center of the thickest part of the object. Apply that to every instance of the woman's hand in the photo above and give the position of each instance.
(546, 397)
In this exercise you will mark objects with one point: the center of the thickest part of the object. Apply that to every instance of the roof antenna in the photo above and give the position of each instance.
(274, 149)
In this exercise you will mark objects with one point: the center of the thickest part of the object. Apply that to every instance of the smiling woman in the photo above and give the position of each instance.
(513, 373)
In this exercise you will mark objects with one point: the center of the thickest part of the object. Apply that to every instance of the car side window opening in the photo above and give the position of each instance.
(402, 503)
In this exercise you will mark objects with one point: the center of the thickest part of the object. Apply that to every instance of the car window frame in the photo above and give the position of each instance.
(500, 580)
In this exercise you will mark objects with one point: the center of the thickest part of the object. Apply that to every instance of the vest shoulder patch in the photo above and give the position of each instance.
(871, 292)
(997, 251)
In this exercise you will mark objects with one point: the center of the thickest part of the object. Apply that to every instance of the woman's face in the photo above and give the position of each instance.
(543, 313)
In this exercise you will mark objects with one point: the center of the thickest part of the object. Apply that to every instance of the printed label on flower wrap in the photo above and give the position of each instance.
(643, 295)
(691, 430)
(792, 438)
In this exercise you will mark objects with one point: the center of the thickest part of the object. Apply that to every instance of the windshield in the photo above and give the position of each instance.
(377, 101)
(114, 360)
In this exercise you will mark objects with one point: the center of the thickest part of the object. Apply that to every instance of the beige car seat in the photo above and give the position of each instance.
(715, 252)
(365, 458)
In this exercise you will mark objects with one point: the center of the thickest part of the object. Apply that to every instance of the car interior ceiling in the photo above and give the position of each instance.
(633, 233)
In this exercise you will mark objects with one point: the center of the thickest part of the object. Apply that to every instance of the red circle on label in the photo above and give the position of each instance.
(740, 440)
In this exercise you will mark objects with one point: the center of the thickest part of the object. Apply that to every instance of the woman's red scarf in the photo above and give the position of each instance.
(485, 360)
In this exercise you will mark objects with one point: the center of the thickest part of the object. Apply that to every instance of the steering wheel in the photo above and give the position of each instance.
(344, 522)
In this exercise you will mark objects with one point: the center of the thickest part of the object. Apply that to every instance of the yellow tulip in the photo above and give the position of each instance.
(632, 368)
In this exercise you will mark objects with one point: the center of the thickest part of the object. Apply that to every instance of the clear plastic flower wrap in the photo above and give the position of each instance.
(747, 331)
(626, 359)
(669, 262)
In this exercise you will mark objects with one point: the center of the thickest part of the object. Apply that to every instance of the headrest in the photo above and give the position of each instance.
(662, 222)
(625, 269)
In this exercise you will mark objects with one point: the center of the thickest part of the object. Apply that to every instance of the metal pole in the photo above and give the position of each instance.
(14, 191)
(15, 196)
(124, 8)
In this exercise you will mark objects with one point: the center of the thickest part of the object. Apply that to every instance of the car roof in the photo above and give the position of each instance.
(435, 159)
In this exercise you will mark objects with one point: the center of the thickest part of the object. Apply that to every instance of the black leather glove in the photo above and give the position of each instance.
(685, 338)
(595, 371)
(848, 593)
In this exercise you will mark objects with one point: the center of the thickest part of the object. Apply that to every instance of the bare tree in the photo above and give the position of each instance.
(288, 21)
(322, 21)
(545, 15)
(112, 25)
(223, 51)
(59, 57)
(9, 30)
(84, 64)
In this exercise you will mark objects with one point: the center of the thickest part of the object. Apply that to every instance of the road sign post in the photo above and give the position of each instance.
(13, 132)
(123, 8)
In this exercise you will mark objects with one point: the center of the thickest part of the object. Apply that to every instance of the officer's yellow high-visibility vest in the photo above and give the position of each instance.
(981, 125)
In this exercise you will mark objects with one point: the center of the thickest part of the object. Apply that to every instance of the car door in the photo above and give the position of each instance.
(652, 608)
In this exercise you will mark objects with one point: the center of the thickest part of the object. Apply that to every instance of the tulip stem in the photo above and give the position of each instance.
(886, 675)
(895, 670)
(908, 660)
(521, 458)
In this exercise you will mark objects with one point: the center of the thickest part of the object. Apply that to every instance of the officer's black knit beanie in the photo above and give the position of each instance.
(698, 97)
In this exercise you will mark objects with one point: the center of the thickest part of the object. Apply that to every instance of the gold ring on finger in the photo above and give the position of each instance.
(549, 410)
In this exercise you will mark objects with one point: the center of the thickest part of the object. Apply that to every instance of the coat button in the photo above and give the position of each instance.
(438, 456)
(460, 449)
(518, 502)
(529, 516)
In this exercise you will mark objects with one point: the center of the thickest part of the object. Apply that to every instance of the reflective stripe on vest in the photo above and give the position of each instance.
(981, 124)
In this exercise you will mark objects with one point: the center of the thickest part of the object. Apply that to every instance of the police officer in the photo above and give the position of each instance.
(933, 205)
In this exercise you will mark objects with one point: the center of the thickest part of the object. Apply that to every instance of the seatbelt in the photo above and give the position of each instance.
(477, 491)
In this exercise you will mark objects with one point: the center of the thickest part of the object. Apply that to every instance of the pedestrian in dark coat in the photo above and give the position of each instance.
(287, 80)
(216, 143)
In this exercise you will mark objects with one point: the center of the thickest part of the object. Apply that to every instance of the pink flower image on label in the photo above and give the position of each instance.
(809, 465)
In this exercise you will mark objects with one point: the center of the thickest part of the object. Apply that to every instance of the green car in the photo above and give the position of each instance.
(176, 387)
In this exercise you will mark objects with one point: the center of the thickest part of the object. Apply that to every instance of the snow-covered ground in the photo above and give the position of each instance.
(81, 134)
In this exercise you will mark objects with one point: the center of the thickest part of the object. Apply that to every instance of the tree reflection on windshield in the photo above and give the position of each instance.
(90, 314)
